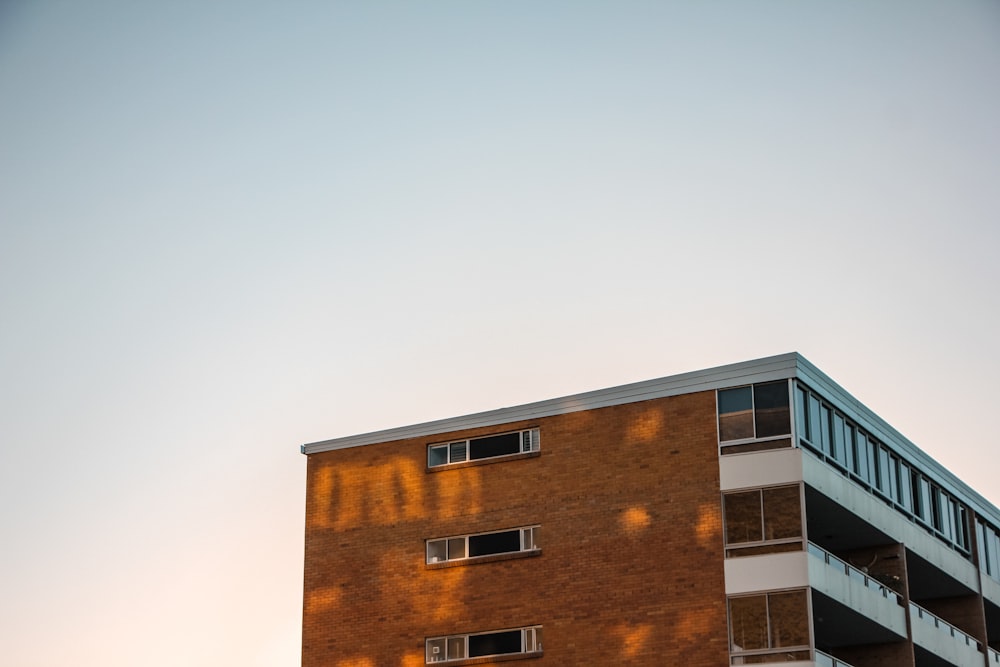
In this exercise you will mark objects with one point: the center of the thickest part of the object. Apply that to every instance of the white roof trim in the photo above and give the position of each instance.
(760, 370)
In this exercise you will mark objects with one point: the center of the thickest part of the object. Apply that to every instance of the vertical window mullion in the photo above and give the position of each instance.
(763, 525)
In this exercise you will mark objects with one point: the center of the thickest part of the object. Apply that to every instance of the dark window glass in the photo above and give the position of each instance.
(735, 414)
(788, 615)
(861, 457)
(748, 623)
(825, 441)
(815, 430)
(495, 543)
(882, 471)
(770, 402)
(743, 518)
(782, 513)
(495, 643)
(925, 509)
(802, 413)
(961, 527)
(936, 508)
(905, 486)
(837, 444)
(850, 455)
(496, 445)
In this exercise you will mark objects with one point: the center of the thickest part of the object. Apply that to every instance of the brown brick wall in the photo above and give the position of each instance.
(631, 571)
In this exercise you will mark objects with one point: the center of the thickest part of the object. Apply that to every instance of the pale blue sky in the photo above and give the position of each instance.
(230, 228)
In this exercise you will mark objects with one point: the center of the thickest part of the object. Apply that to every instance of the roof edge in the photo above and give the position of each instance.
(776, 367)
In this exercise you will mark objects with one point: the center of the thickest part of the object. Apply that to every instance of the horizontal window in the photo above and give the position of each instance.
(463, 547)
(754, 412)
(488, 447)
(484, 644)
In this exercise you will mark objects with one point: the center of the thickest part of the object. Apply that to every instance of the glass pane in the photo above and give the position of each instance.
(496, 445)
(789, 619)
(837, 444)
(436, 650)
(534, 538)
(883, 472)
(825, 441)
(814, 421)
(850, 457)
(458, 451)
(782, 513)
(495, 643)
(743, 517)
(748, 623)
(906, 486)
(495, 543)
(437, 551)
(437, 456)
(770, 402)
(735, 414)
(456, 648)
(456, 548)
(801, 413)
(924, 510)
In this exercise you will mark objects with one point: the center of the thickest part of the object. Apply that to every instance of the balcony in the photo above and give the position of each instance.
(824, 660)
(851, 608)
(943, 639)
(994, 657)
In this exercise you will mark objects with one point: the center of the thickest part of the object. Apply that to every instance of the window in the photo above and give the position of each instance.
(754, 412)
(770, 627)
(464, 547)
(484, 644)
(763, 521)
(491, 446)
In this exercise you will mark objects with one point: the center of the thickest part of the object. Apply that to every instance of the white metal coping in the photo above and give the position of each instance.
(760, 370)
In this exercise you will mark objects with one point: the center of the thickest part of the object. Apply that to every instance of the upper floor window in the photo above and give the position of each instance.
(762, 521)
(464, 547)
(526, 640)
(488, 447)
(754, 412)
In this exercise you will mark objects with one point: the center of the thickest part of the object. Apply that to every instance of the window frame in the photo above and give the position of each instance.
(531, 646)
(763, 545)
(529, 443)
(754, 439)
(527, 538)
(737, 657)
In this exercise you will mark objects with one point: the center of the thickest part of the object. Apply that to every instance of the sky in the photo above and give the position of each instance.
(231, 228)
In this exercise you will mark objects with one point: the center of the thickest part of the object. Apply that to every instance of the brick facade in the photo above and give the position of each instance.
(631, 563)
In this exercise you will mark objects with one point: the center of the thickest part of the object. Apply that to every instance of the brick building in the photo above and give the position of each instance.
(746, 514)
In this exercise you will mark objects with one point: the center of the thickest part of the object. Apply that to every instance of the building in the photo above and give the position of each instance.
(752, 513)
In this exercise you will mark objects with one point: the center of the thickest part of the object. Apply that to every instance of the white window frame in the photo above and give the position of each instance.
(531, 643)
(528, 536)
(530, 442)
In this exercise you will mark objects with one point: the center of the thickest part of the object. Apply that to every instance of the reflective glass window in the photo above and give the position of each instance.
(748, 623)
(788, 618)
(771, 411)
(743, 517)
(782, 513)
(735, 414)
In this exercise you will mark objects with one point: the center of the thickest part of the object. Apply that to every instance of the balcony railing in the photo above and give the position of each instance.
(855, 574)
(824, 660)
(916, 611)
